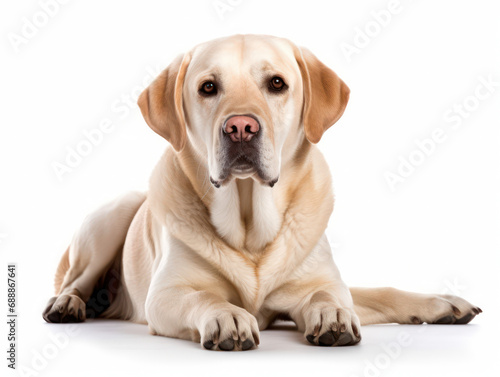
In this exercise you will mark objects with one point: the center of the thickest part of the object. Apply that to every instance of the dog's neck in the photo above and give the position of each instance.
(245, 214)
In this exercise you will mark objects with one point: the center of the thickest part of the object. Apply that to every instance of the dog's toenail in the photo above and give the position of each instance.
(326, 339)
(208, 344)
(247, 344)
(227, 345)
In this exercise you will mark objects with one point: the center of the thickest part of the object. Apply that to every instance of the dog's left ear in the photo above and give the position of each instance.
(161, 103)
(325, 95)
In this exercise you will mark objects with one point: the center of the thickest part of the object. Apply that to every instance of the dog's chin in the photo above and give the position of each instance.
(243, 171)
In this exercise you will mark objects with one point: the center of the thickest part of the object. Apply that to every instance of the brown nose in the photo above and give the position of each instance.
(241, 128)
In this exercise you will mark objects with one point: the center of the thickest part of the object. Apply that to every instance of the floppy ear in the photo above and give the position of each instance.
(161, 103)
(325, 95)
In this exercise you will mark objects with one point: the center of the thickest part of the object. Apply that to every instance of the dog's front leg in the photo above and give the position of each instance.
(202, 316)
(323, 313)
(318, 301)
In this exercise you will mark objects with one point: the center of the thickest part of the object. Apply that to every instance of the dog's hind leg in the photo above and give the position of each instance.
(390, 305)
(92, 252)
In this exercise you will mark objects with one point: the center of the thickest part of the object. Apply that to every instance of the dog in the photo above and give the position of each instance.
(231, 234)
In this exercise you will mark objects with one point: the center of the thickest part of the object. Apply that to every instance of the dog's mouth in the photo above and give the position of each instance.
(242, 164)
(242, 167)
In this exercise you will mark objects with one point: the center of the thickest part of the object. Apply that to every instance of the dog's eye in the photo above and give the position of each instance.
(277, 84)
(208, 88)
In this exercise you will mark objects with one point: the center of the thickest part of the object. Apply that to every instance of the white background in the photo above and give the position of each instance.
(438, 231)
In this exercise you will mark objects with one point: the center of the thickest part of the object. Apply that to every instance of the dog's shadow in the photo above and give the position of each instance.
(124, 334)
(127, 336)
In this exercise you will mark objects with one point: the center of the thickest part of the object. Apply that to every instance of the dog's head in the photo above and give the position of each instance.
(245, 103)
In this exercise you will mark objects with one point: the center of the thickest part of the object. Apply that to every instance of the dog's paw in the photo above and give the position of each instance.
(65, 309)
(447, 310)
(232, 329)
(327, 325)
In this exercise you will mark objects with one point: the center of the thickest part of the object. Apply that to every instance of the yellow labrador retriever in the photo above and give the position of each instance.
(231, 234)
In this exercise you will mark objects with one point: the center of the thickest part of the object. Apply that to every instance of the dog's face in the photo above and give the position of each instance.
(242, 96)
(245, 103)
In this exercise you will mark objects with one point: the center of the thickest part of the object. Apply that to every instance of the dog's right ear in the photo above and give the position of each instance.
(161, 103)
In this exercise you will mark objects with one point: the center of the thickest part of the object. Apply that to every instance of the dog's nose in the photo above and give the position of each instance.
(241, 128)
